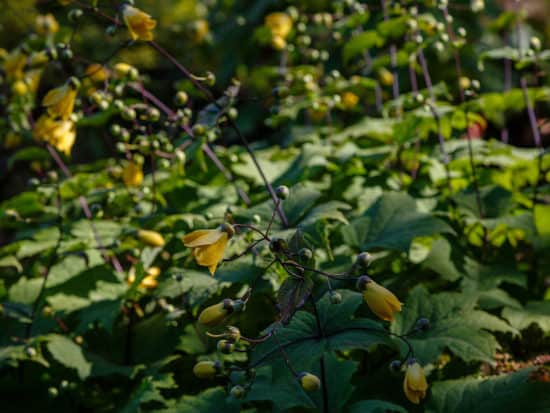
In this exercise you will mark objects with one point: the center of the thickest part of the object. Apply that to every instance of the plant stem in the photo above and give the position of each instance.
(232, 124)
(35, 304)
(321, 333)
(536, 136)
(86, 209)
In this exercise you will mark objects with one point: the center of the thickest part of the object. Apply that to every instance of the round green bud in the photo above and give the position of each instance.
(181, 98)
(225, 346)
(364, 259)
(282, 192)
(128, 114)
(232, 113)
(335, 297)
(309, 382)
(74, 15)
(305, 254)
(199, 130)
(237, 392)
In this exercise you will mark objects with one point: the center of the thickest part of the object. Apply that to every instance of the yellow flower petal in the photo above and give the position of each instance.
(140, 24)
(202, 237)
(211, 255)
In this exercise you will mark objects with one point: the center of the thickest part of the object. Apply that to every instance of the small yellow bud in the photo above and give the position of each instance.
(151, 238)
(385, 77)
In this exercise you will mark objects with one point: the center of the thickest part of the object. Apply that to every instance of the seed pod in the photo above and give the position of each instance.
(309, 382)
(206, 369)
(151, 238)
(277, 245)
(215, 314)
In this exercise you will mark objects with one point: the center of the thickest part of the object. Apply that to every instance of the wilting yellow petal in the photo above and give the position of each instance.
(60, 101)
(202, 237)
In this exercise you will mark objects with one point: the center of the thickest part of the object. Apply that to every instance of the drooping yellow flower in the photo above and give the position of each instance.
(149, 281)
(97, 73)
(124, 69)
(415, 384)
(309, 382)
(46, 24)
(139, 23)
(380, 300)
(209, 245)
(15, 62)
(32, 79)
(59, 133)
(132, 175)
(349, 100)
(60, 101)
(215, 314)
(385, 77)
(280, 25)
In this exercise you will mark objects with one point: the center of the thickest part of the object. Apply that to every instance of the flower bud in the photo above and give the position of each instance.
(309, 382)
(364, 259)
(395, 366)
(305, 254)
(237, 392)
(282, 192)
(215, 314)
(335, 297)
(277, 245)
(206, 369)
(151, 238)
(225, 346)
(422, 324)
(233, 333)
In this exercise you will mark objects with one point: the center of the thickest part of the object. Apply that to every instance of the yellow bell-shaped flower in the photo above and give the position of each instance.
(380, 300)
(215, 314)
(139, 23)
(46, 24)
(132, 175)
(60, 101)
(280, 24)
(14, 63)
(349, 100)
(59, 133)
(415, 384)
(209, 245)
